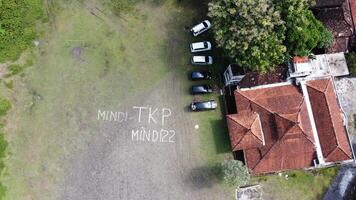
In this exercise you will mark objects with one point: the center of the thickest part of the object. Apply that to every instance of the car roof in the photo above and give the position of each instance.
(199, 59)
(198, 27)
(198, 45)
(204, 104)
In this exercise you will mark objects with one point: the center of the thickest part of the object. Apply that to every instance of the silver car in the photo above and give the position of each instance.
(202, 60)
(200, 46)
(200, 28)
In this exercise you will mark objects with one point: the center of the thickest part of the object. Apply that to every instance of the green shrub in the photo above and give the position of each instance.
(5, 106)
(235, 173)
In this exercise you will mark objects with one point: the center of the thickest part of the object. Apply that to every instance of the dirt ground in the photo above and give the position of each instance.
(345, 88)
(115, 167)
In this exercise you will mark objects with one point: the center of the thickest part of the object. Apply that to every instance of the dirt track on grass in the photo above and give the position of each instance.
(115, 167)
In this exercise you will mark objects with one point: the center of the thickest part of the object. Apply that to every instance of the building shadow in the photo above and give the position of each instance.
(221, 136)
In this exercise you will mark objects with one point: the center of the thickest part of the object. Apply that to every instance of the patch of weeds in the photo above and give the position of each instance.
(262, 179)
(351, 62)
(3, 153)
(15, 69)
(122, 47)
(5, 106)
(9, 84)
(122, 6)
(327, 172)
(29, 62)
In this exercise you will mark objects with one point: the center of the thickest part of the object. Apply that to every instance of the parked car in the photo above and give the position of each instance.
(202, 60)
(201, 75)
(201, 89)
(200, 28)
(200, 46)
(203, 105)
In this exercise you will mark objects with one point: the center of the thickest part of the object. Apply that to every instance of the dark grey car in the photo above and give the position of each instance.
(203, 105)
(201, 89)
(200, 75)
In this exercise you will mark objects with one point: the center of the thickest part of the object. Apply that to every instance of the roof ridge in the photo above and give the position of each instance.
(337, 148)
(252, 101)
(238, 122)
(343, 151)
(329, 112)
(303, 133)
(269, 150)
(315, 88)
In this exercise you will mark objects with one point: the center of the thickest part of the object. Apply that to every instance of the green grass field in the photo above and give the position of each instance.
(87, 59)
(300, 185)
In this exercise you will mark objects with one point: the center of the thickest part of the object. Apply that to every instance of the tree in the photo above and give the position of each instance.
(304, 32)
(251, 32)
(235, 173)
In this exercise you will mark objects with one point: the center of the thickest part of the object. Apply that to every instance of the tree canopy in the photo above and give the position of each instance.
(235, 173)
(260, 34)
(304, 31)
(250, 31)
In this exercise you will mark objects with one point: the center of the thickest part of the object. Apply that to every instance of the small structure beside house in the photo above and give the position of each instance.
(319, 65)
(253, 192)
(233, 75)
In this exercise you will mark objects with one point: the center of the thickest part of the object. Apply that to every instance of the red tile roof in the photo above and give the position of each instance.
(353, 11)
(286, 127)
(328, 120)
(303, 59)
(245, 130)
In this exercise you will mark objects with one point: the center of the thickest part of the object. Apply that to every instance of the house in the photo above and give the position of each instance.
(337, 16)
(284, 126)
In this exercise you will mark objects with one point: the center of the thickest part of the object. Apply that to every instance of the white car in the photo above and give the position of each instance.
(202, 60)
(200, 46)
(200, 28)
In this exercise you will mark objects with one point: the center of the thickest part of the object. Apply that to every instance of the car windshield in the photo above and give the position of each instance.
(206, 25)
(205, 44)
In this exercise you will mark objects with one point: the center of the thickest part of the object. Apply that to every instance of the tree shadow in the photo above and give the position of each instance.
(203, 177)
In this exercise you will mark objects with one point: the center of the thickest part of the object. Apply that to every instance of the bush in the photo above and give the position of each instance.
(235, 173)
(17, 26)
